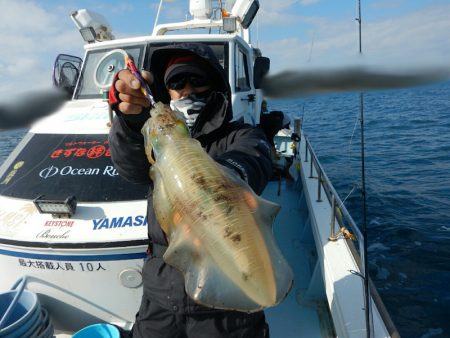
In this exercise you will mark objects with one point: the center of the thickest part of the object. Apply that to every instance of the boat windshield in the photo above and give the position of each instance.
(102, 64)
(87, 87)
(58, 166)
(220, 49)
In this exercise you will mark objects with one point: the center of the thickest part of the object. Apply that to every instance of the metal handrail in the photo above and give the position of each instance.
(337, 206)
(340, 213)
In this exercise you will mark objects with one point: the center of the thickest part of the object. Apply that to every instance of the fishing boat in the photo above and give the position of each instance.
(78, 231)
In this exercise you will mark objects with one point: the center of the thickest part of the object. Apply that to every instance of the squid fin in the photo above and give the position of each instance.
(205, 282)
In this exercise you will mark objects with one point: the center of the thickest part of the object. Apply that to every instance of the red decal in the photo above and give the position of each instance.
(80, 152)
(69, 152)
(96, 151)
(57, 153)
(76, 149)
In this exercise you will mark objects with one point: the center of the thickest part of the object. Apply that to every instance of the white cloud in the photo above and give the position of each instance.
(21, 66)
(31, 41)
(122, 8)
(419, 36)
(276, 5)
(24, 16)
(414, 38)
(31, 38)
(280, 5)
(274, 18)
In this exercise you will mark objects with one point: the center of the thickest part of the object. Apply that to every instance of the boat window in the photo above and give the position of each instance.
(221, 53)
(220, 49)
(242, 80)
(58, 166)
(87, 89)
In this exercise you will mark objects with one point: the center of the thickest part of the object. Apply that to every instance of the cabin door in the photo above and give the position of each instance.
(244, 93)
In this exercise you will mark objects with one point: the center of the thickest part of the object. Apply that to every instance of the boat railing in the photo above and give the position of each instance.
(339, 212)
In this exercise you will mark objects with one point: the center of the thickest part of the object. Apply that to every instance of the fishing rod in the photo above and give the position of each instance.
(363, 195)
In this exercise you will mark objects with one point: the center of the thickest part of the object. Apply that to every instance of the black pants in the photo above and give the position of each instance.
(153, 321)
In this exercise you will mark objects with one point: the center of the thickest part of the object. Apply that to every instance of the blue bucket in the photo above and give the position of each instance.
(46, 330)
(43, 327)
(19, 311)
(98, 331)
(21, 315)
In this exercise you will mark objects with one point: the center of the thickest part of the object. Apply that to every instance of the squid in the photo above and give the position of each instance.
(219, 231)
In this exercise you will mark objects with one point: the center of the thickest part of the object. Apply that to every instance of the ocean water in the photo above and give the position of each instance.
(407, 147)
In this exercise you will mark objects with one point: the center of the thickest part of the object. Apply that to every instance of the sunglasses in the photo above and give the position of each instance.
(194, 80)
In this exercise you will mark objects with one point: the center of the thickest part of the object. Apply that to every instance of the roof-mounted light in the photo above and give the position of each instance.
(245, 11)
(92, 24)
(229, 24)
(88, 34)
(57, 208)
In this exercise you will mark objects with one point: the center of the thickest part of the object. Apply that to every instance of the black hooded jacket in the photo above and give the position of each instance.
(235, 145)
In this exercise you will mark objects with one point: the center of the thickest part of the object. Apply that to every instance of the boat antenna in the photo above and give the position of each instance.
(257, 31)
(157, 14)
(363, 195)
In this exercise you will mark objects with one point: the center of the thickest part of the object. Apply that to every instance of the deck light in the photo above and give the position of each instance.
(229, 24)
(92, 26)
(57, 208)
(246, 11)
(88, 34)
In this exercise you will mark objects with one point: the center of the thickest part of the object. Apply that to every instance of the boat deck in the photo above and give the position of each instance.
(299, 315)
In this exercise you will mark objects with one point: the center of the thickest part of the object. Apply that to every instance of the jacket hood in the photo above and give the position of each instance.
(161, 56)
(158, 65)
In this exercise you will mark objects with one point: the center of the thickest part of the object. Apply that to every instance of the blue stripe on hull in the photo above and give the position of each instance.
(77, 258)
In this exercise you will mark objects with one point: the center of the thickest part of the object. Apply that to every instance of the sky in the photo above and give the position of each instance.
(293, 33)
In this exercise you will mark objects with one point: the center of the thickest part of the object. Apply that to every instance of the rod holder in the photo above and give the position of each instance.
(333, 219)
(319, 186)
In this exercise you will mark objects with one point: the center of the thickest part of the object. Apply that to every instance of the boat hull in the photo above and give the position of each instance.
(91, 285)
